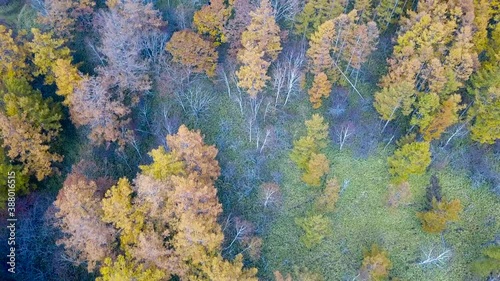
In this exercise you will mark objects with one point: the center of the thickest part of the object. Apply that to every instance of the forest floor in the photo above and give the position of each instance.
(363, 217)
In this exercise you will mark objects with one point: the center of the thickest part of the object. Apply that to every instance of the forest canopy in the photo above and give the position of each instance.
(250, 140)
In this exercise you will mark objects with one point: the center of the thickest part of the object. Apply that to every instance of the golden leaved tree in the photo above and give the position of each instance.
(166, 220)
(189, 49)
(261, 46)
(212, 19)
(306, 152)
(431, 61)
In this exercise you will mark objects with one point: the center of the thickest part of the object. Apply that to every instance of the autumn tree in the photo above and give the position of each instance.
(87, 239)
(67, 78)
(237, 24)
(365, 9)
(317, 129)
(320, 46)
(485, 86)
(279, 277)
(430, 63)
(315, 228)
(340, 46)
(64, 17)
(484, 12)
(315, 140)
(28, 125)
(330, 195)
(167, 220)
(95, 105)
(53, 61)
(302, 150)
(442, 212)
(104, 102)
(198, 157)
(164, 165)
(13, 52)
(306, 152)
(212, 20)
(189, 49)
(410, 159)
(46, 50)
(261, 46)
(486, 128)
(317, 167)
(321, 88)
(489, 263)
(399, 194)
(123, 268)
(22, 180)
(375, 266)
(315, 13)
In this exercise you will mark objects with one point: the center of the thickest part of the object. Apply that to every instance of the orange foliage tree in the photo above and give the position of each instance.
(321, 88)
(189, 49)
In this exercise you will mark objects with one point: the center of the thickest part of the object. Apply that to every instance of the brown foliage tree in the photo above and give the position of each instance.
(442, 212)
(189, 49)
(327, 200)
(238, 23)
(170, 222)
(87, 239)
(63, 17)
(104, 102)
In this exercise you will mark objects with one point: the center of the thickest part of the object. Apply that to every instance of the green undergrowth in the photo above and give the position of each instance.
(363, 217)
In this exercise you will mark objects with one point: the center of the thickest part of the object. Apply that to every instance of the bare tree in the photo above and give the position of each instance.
(346, 130)
(286, 9)
(242, 229)
(435, 258)
(153, 47)
(270, 194)
(286, 73)
(195, 101)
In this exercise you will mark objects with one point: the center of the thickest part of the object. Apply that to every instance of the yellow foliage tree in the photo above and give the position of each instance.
(13, 53)
(211, 20)
(169, 225)
(28, 125)
(317, 167)
(119, 210)
(442, 212)
(261, 45)
(321, 88)
(326, 202)
(306, 150)
(46, 51)
(320, 46)
(164, 165)
(375, 266)
(317, 128)
(67, 79)
(410, 159)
